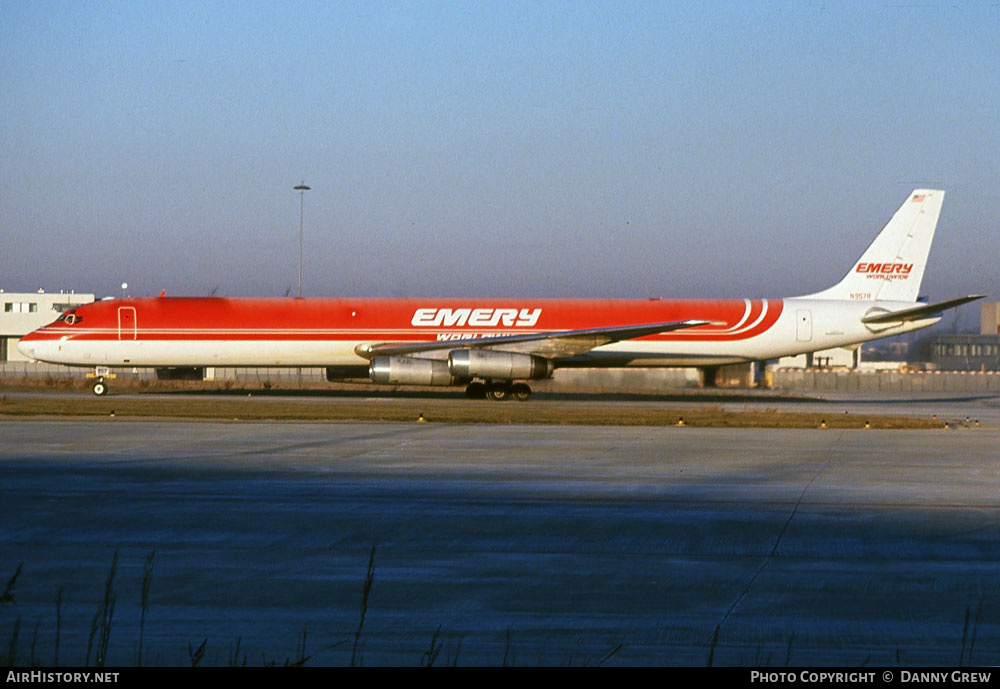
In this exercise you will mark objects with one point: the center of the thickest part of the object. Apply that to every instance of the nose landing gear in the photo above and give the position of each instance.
(100, 373)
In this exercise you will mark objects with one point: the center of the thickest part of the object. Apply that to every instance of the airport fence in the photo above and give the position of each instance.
(590, 380)
(886, 381)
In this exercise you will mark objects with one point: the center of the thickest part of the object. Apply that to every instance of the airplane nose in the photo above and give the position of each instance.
(38, 346)
(27, 349)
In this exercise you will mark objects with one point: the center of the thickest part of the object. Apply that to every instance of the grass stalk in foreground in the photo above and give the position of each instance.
(369, 578)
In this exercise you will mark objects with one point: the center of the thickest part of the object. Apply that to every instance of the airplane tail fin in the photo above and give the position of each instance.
(892, 267)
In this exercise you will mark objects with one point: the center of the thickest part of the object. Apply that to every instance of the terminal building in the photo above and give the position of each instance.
(23, 312)
(968, 351)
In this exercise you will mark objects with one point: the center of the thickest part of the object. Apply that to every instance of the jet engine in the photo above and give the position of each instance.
(485, 363)
(404, 370)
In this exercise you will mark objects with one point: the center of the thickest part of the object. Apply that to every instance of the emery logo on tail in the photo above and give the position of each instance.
(885, 271)
(476, 318)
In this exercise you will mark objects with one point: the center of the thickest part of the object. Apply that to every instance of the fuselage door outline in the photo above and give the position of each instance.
(127, 323)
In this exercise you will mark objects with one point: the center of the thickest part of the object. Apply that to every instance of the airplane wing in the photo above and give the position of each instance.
(558, 343)
(918, 312)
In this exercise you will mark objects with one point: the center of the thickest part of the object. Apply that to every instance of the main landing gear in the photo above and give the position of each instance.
(499, 391)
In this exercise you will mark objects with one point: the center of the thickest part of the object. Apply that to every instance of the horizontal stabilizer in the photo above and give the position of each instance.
(918, 312)
(557, 343)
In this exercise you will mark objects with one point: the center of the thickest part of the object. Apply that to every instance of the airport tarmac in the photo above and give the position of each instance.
(511, 544)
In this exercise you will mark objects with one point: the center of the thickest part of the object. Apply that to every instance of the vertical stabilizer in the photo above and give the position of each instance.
(892, 268)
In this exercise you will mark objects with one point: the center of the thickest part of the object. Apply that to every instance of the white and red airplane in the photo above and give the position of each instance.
(493, 346)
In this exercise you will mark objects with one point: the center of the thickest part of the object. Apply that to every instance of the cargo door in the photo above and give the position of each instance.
(126, 323)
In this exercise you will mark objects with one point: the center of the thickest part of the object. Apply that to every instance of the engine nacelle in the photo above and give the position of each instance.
(485, 363)
(404, 370)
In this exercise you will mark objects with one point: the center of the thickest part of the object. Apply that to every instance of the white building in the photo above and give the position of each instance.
(839, 357)
(22, 312)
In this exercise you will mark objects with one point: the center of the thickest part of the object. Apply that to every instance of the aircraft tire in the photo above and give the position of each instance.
(521, 392)
(100, 388)
(498, 392)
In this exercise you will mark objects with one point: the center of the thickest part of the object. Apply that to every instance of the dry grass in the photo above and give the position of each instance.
(458, 410)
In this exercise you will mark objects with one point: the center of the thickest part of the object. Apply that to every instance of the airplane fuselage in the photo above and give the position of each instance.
(180, 331)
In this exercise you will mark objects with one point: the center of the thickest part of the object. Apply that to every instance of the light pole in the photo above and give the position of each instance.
(302, 189)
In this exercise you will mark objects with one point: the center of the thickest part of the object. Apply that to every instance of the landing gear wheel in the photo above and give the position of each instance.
(100, 388)
(475, 391)
(498, 392)
(521, 392)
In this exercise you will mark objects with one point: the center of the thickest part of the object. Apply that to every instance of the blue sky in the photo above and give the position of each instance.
(620, 149)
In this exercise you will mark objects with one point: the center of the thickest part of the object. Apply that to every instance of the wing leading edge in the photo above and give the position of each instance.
(548, 344)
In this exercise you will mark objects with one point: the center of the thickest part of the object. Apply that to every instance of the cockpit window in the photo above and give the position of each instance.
(69, 318)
